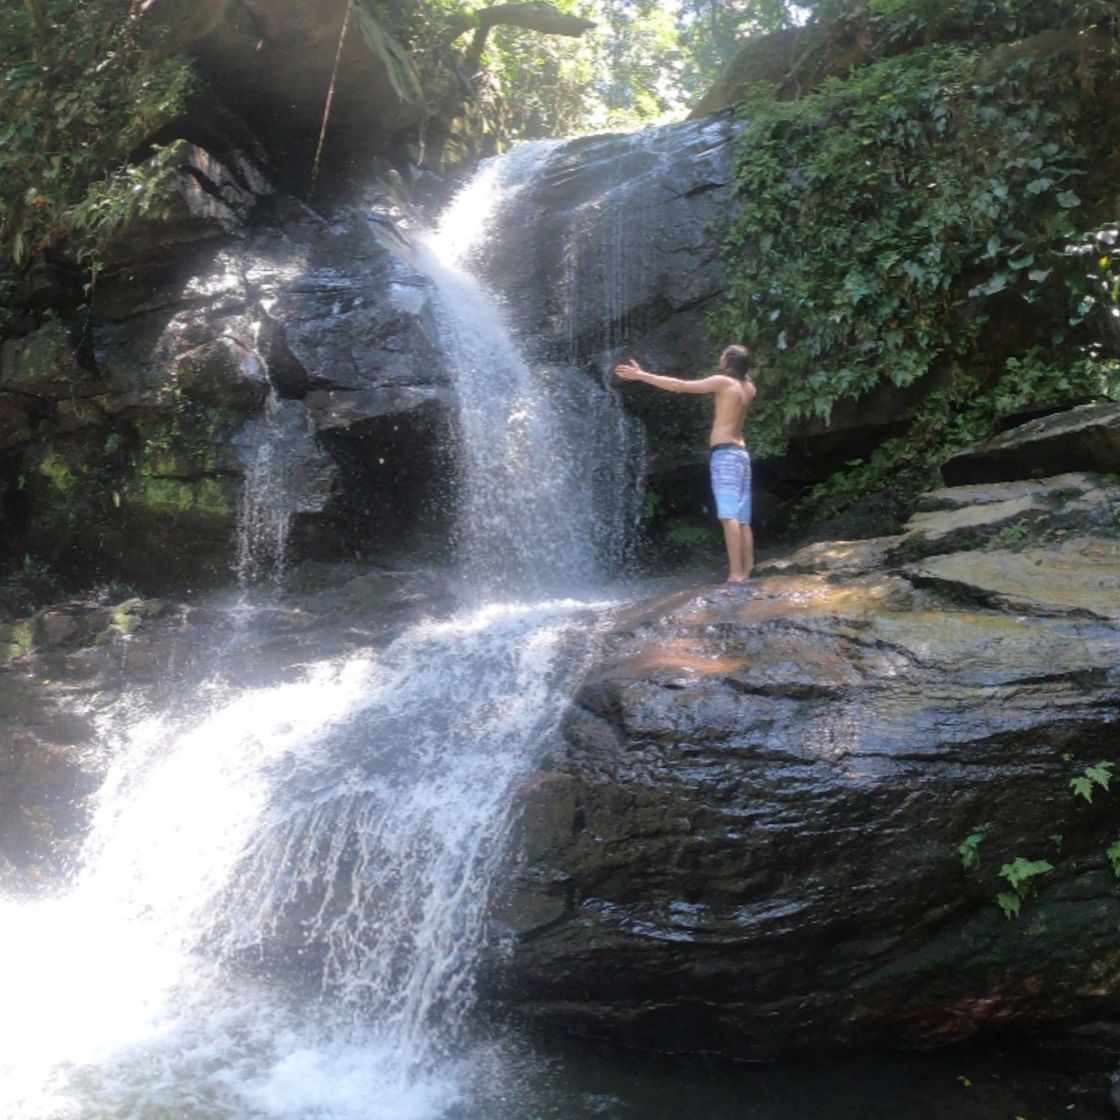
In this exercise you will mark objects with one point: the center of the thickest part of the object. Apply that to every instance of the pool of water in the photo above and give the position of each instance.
(567, 1081)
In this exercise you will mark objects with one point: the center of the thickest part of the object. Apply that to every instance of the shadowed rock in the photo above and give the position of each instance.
(1085, 439)
(234, 297)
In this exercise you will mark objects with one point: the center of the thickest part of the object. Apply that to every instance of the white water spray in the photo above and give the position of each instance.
(344, 829)
(285, 474)
(550, 466)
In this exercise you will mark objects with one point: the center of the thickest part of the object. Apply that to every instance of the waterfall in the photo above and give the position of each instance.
(285, 473)
(281, 904)
(550, 467)
(343, 828)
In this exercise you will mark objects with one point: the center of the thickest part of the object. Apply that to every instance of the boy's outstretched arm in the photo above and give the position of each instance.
(631, 371)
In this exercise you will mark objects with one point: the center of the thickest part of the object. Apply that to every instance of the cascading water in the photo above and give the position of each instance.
(285, 474)
(282, 900)
(550, 466)
(342, 829)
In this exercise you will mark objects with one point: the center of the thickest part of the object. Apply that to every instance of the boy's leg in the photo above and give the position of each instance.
(733, 538)
(746, 546)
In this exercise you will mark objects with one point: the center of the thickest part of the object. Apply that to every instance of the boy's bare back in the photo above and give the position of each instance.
(732, 403)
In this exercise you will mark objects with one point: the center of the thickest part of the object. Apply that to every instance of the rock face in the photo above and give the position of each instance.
(238, 305)
(242, 319)
(750, 840)
(613, 250)
(274, 61)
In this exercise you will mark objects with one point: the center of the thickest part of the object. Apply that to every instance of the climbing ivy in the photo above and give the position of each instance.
(891, 221)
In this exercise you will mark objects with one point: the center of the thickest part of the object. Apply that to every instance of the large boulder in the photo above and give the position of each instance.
(779, 812)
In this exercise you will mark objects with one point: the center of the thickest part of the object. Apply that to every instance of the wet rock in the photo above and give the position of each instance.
(223, 372)
(999, 493)
(661, 192)
(1000, 515)
(15, 426)
(63, 665)
(334, 408)
(45, 389)
(44, 365)
(838, 559)
(749, 837)
(234, 298)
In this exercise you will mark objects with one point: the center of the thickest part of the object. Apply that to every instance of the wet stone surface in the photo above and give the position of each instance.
(748, 841)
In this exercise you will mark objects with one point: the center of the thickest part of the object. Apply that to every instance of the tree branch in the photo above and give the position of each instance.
(533, 15)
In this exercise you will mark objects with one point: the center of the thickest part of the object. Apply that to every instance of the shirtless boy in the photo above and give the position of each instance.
(730, 463)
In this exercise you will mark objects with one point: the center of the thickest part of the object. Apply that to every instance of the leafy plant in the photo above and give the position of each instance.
(889, 219)
(1020, 873)
(969, 850)
(1098, 775)
(1112, 852)
(960, 414)
(688, 534)
(30, 582)
(78, 97)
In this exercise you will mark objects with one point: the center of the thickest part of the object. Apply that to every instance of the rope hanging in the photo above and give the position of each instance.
(330, 98)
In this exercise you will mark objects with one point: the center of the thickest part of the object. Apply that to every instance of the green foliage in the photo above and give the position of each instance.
(687, 534)
(713, 30)
(77, 97)
(890, 23)
(967, 409)
(1020, 873)
(1009, 903)
(861, 219)
(889, 219)
(1098, 775)
(29, 583)
(547, 82)
(969, 850)
(644, 61)
(1112, 852)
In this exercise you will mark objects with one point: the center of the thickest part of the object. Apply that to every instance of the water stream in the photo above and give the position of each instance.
(285, 473)
(550, 467)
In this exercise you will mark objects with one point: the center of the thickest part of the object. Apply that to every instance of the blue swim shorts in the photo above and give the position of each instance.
(731, 482)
